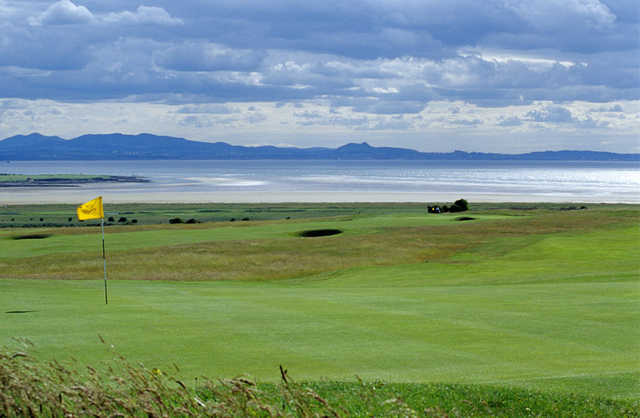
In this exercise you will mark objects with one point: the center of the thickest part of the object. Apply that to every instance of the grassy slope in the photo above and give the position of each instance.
(543, 301)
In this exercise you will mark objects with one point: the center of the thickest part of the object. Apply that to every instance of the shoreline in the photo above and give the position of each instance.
(79, 195)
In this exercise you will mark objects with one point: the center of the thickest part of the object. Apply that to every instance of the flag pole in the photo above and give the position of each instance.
(104, 263)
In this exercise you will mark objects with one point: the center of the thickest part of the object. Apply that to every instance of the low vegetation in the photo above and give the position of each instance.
(522, 306)
(29, 387)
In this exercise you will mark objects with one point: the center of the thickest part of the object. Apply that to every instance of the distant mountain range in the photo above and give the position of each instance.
(153, 147)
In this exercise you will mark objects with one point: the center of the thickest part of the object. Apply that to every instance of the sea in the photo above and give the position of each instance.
(271, 181)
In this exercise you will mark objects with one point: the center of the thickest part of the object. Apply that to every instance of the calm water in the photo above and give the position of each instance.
(307, 181)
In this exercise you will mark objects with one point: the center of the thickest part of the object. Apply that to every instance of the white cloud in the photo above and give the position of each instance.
(63, 12)
(143, 15)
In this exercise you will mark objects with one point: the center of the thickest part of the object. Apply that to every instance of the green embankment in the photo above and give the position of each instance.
(547, 301)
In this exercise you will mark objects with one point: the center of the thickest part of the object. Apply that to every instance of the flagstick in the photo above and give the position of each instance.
(104, 262)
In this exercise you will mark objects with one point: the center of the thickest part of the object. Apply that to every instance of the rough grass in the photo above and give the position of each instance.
(29, 387)
(272, 250)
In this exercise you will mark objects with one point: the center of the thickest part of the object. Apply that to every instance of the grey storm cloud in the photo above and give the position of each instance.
(375, 56)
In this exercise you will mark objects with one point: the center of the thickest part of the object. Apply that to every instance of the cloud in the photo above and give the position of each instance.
(195, 122)
(201, 56)
(63, 12)
(510, 121)
(210, 108)
(551, 114)
(613, 108)
(143, 15)
(365, 60)
(466, 122)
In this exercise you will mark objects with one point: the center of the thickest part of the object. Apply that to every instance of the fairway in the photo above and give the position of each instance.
(545, 299)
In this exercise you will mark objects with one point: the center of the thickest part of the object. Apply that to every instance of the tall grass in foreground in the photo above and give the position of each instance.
(29, 387)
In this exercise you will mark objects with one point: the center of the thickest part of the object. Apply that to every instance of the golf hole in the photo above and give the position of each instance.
(31, 236)
(312, 233)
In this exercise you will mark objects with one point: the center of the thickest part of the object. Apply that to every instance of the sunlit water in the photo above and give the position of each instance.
(338, 181)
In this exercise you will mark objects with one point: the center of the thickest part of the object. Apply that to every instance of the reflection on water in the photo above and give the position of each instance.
(261, 181)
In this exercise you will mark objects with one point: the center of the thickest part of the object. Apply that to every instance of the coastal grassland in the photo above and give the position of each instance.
(149, 214)
(542, 300)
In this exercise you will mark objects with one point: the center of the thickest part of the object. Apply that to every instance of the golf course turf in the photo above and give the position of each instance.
(543, 300)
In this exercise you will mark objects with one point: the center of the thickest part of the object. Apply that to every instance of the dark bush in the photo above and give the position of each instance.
(232, 220)
(175, 221)
(244, 219)
(191, 221)
(122, 219)
(134, 221)
(110, 219)
(69, 219)
(459, 205)
(41, 219)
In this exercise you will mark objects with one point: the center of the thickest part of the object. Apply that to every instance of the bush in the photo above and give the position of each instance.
(134, 221)
(175, 221)
(122, 219)
(110, 219)
(191, 221)
(459, 205)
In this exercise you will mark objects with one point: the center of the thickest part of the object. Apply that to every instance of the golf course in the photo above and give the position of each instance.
(539, 300)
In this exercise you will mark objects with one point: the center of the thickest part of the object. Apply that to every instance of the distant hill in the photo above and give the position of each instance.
(153, 147)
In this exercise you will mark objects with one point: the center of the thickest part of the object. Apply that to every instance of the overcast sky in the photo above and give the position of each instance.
(434, 75)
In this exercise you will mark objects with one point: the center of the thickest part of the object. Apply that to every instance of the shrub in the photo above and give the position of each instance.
(191, 221)
(122, 219)
(459, 205)
(175, 221)
(134, 221)
(110, 219)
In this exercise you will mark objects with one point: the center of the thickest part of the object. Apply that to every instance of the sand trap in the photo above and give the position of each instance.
(312, 233)
(31, 236)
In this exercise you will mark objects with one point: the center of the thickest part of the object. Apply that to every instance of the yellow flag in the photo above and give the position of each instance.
(91, 210)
